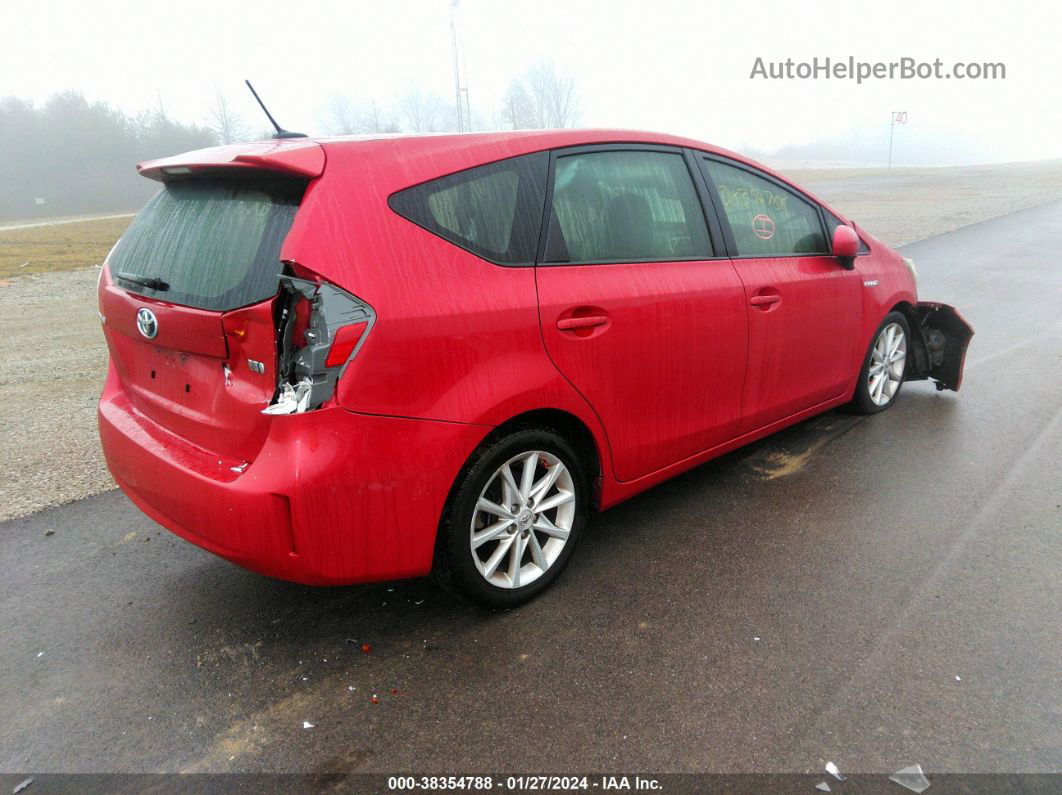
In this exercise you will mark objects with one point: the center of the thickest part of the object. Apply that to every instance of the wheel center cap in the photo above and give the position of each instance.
(524, 520)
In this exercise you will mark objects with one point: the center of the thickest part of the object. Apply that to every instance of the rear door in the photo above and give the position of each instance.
(187, 299)
(804, 309)
(637, 310)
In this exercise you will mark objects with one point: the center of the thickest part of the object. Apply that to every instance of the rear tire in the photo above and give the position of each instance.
(884, 366)
(497, 544)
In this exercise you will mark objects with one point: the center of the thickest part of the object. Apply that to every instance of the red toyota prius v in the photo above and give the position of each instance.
(347, 360)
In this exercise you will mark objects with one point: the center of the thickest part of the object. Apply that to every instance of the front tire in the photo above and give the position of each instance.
(513, 519)
(884, 366)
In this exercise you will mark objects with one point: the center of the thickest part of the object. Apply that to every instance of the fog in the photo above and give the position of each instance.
(681, 67)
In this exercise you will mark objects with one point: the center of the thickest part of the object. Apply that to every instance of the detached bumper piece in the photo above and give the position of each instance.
(944, 336)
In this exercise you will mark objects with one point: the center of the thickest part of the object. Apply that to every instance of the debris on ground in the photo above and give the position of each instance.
(831, 768)
(822, 786)
(22, 785)
(375, 699)
(912, 778)
(307, 725)
(49, 532)
(366, 648)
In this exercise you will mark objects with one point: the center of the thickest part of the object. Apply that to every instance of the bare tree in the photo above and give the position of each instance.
(345, 116)
(421, 111)
(542, 97)
(229, 127)
(379, 120)
(554, 101)
(340, 116)
(517, 110)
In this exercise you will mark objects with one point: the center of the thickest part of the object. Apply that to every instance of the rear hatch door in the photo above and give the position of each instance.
(188, 299)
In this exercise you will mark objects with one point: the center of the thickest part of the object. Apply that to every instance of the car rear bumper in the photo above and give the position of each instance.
(333, 497)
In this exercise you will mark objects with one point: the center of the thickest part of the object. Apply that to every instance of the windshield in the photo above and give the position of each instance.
(209, 244)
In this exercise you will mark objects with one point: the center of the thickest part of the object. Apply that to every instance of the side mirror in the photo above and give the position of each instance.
(845, 246)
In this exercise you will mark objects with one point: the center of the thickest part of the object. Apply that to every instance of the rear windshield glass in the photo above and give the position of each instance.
(210, 244)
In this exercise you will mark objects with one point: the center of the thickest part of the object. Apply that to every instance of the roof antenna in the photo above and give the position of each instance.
(281, 132)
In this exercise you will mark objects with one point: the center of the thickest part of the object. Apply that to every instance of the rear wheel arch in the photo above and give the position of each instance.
(566, 425)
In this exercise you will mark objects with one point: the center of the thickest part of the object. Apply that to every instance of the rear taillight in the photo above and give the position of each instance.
(320, 328)
(345, 342)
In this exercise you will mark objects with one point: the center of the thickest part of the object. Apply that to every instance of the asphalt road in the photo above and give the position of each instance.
(874, 592)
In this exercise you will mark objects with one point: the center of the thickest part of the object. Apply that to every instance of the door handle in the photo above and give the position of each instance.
(587, 321)
(764, 300)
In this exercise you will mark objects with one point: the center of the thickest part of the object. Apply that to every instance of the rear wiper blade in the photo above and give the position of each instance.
(151, 282)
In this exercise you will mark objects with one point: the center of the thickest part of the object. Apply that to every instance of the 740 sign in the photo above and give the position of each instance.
(895, 117)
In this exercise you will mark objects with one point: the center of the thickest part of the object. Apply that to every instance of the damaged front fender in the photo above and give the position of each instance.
(941, 338)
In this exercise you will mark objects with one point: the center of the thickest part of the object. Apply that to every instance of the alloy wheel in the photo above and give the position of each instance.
(523, 519)
(888, 358)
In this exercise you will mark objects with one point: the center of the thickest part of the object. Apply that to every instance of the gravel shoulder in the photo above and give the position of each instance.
(53, 363)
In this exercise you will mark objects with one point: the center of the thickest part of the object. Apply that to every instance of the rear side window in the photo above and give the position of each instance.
(494, 211)
(213, 244)
(625, 205)
(766, 219)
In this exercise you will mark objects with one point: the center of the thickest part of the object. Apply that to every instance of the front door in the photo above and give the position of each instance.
(804, 309)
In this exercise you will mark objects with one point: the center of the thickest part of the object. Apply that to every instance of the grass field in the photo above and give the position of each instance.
(61, 247)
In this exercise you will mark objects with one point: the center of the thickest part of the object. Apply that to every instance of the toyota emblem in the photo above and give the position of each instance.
(146, 323)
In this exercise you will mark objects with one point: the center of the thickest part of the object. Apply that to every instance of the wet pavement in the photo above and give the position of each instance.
(876, 592)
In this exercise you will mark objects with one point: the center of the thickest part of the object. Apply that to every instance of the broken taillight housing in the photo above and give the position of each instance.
(320, 328)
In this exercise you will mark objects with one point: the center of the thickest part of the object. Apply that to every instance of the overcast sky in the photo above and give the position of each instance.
(679, 67)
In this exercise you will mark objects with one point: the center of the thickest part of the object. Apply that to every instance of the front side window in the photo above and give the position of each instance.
(766, 219)
(494, 211)
(625, 205)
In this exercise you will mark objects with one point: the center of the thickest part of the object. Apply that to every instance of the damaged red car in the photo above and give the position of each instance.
(347, 360)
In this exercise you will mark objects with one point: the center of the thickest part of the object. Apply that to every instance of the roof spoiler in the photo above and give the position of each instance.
(290, 157)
